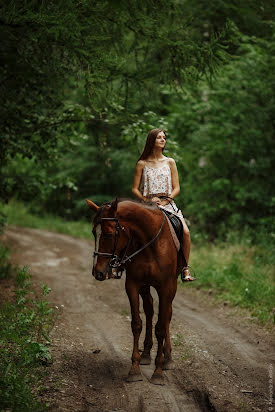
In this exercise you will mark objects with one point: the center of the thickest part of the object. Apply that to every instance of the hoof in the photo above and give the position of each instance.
(145, 360)
(169, 365)
(134, 377)
(157, 380)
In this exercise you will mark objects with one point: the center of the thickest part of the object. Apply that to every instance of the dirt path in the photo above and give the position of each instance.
(223, 362)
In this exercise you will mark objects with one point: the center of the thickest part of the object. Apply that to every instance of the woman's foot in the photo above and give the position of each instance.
(186, 276)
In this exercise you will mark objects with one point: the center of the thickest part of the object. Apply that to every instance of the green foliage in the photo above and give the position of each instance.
(20, 214)
(82, 83)
(99, 164)
(24, 346)
(2, 221)
(238, 273)
(178, 340)
(227, 134)
(5, 265)
(113, 50)
(251, 17)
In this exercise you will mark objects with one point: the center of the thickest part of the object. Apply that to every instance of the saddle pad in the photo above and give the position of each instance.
(176, 228)
(176, 223)
(173, 234)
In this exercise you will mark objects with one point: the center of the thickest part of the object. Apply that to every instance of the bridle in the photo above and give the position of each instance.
(117, 262)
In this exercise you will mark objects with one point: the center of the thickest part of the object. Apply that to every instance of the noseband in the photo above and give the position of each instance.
(115, 261)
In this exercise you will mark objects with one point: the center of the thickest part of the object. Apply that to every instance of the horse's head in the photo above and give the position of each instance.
(110, 239)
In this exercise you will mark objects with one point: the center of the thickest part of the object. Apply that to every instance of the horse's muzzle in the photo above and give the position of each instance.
(100, 276)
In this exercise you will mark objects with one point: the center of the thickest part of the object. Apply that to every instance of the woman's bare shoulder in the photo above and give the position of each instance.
(140, 164)
(171, 161)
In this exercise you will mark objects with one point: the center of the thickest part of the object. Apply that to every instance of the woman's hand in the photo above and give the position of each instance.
(156, 200)
(161, 202)
(164, 202)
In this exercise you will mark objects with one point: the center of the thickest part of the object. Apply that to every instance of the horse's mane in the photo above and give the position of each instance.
(147, 205)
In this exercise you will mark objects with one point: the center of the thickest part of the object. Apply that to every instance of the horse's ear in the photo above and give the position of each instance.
(92, 205)
(114, 205)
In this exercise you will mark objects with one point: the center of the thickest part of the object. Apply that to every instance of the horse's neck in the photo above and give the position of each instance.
(141, 221)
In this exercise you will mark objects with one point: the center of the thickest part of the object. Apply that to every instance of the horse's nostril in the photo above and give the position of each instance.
(100, 276)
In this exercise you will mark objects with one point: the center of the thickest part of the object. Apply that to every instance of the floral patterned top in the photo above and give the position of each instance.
(157, 181)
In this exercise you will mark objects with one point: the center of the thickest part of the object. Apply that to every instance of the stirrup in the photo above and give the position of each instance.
(189, 277)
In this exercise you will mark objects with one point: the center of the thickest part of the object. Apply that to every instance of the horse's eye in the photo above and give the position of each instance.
(107, 235)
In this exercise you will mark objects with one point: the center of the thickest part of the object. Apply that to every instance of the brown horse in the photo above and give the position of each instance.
(137, 237)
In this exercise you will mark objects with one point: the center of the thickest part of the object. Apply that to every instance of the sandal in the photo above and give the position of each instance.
(186, 275)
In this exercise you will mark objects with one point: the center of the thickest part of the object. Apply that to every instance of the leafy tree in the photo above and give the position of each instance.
(79, 79)
(227, 137)
(114, 47)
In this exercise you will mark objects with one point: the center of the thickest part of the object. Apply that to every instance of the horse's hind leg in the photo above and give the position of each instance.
(149, 312)
(133, 295)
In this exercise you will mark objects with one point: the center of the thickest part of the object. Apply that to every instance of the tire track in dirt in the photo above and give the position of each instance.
(218, 355)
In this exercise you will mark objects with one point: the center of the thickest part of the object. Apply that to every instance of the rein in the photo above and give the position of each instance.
(170, 200)
(119, 262)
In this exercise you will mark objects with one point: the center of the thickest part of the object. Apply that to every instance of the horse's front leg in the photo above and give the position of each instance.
(133, 295)
(149, 312)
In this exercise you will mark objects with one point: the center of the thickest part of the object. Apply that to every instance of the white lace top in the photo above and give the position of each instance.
(157, 181)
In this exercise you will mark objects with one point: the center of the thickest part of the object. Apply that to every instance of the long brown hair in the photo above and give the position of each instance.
(150, 143)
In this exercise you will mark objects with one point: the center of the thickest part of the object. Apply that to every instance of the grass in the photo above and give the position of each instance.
(19, 214)
(240, 273)
(178, 341)
(124, 312)
(24, 346)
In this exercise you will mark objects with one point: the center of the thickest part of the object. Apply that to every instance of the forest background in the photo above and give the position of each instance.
(82, 83)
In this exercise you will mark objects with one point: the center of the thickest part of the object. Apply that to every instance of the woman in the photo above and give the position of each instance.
(156, 175)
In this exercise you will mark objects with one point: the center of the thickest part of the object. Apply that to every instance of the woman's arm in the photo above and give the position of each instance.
(137, 177)
(175, 178)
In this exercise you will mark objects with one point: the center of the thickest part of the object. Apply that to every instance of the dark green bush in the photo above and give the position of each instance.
(24, 346)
